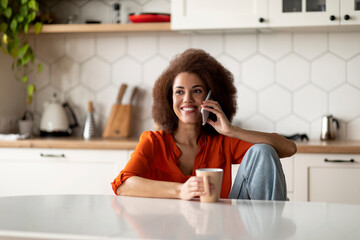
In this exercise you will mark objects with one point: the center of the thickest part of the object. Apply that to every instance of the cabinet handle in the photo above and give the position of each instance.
(338, 160)
(346, 17)
(332, 18)
(261, 20)
(52, 155)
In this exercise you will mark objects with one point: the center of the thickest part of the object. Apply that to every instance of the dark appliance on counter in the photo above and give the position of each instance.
(297, 136)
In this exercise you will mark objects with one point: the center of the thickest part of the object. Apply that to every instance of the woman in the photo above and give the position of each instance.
(164, 162)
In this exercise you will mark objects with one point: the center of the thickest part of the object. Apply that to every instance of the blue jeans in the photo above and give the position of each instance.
(260, 175)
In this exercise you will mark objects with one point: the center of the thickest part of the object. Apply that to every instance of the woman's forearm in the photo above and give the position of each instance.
(283, 146)
(142, 187)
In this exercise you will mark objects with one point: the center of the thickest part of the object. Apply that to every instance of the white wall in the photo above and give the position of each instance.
(286, 81)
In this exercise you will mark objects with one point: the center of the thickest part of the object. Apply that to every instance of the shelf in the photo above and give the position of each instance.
(94, 28)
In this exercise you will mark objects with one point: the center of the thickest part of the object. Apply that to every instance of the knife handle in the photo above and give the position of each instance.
(121, 93)
(133, 94)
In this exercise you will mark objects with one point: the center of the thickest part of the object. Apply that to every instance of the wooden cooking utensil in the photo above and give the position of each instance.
(118, 123)
(133, 94)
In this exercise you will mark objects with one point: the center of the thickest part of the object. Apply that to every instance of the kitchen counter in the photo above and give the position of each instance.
(118, 217)
(72, 143)
(336, 146)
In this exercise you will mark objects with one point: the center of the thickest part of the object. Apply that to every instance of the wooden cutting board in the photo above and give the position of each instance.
(118, 123)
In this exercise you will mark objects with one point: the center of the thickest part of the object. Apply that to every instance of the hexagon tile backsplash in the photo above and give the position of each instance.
(286, 81)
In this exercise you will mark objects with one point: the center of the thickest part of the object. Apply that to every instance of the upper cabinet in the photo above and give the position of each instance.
(302, 13)
(235, 14)
(350, 12)
(215, 14)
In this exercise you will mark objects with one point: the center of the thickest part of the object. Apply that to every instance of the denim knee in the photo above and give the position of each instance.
(263, 148)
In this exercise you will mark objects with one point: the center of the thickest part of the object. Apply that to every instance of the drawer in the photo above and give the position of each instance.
(42, 154)
(333, 178)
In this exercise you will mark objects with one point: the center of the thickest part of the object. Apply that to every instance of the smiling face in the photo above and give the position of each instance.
(189, 91)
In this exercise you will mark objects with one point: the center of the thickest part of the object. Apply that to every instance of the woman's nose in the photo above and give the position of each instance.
(188, 97)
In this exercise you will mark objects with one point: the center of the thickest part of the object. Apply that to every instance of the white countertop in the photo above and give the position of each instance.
(114, 217)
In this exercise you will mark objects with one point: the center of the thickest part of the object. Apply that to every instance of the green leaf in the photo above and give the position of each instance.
(24, 79)
(14, 52)
(24, 10)
(32, 4)
(10, 46)
(23, 50)
(32, 57)
(20, 18)
(38, 27)
(23, 1)
(5, 38)
(13, 25)
(31, 89)
(40, 68)
(26, 28)
(8, 12)
(32, 16)
(3, 27)
(26, 59)
(4, 3)
(16, 42)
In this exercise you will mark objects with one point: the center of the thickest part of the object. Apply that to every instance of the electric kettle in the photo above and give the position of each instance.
(54, 120)
(327, 128)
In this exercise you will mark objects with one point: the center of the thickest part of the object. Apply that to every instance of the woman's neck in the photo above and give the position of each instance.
(187, 134)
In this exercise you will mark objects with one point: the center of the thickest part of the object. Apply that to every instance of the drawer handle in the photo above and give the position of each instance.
(338, 160)
(52, 155)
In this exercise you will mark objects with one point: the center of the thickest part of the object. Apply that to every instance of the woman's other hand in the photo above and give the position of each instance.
(193, 187)
(222, 124)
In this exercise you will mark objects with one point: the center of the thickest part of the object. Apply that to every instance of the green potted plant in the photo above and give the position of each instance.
(16, 18)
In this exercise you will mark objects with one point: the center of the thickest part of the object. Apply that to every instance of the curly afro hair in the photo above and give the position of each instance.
(216, 78)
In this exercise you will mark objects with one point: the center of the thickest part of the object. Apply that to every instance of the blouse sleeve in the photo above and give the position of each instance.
(138, 165)
(238, 149)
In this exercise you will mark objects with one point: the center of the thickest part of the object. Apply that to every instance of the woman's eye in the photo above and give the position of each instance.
(197, 91)
(178, 92)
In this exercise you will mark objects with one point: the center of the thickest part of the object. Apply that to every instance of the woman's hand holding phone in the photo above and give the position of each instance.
(222, 124)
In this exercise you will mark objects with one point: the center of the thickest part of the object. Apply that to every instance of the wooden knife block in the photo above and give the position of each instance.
(119, 122)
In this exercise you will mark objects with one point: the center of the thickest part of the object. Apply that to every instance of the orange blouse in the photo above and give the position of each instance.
(157, 157)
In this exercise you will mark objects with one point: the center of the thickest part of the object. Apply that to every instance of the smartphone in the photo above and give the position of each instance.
(204, 113)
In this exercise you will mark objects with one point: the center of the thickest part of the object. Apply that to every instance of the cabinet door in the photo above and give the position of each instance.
(59, 171)
(350, 12)
(317, 180)
(299, 13)
(215, 14)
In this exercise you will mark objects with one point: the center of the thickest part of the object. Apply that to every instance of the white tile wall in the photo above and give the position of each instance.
(286, 81)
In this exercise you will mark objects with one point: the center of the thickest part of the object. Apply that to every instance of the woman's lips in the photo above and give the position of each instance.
(188, 109)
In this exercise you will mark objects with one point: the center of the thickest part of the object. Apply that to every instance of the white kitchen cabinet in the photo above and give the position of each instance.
(214, 14)
(317, 180)
(350, 12)
(234, 14)
(302, 13)
(25, 171)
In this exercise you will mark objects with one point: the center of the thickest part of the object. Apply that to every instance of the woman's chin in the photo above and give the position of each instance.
(191, 122)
